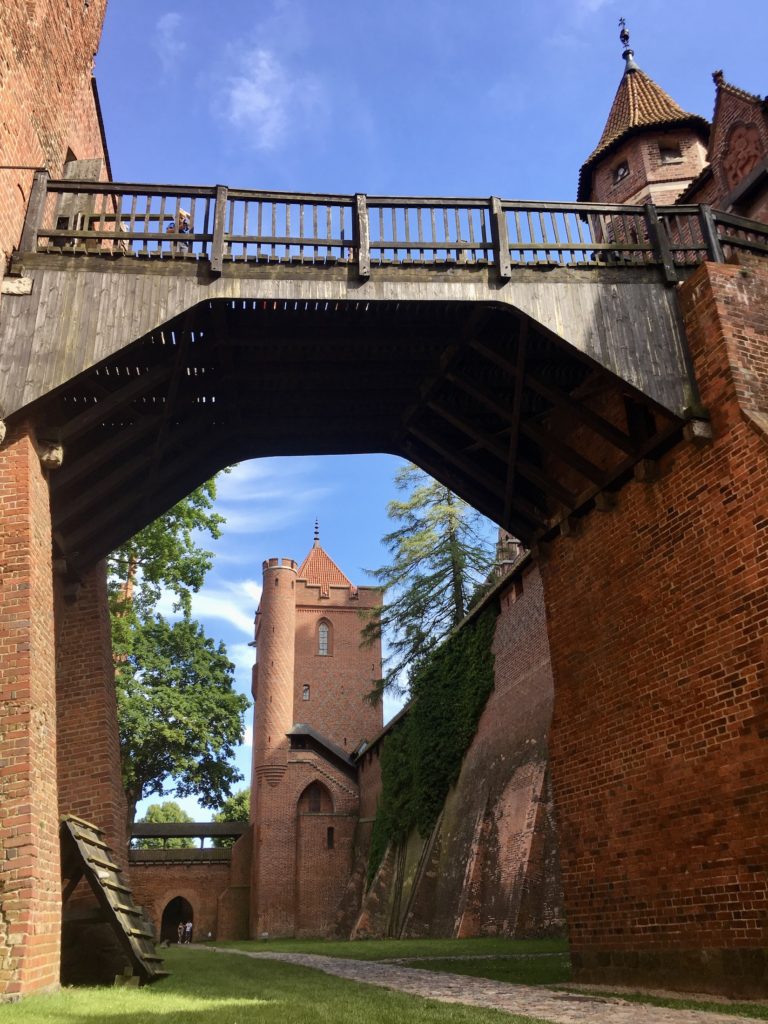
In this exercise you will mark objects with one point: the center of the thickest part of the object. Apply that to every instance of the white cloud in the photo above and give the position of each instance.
(168, 40)
(233, 602)
(266, 92)
(248, 736)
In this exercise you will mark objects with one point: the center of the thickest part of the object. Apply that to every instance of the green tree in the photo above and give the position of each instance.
(441, 553)
(180, 719)
(168, 812)
(235, 808)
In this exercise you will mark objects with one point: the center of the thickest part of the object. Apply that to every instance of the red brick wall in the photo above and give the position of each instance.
(491, 868)
(88, 740)
(657, 618)
(649, 180)
(200, 884)
(46, 98)
(30, 917)
(339, 681)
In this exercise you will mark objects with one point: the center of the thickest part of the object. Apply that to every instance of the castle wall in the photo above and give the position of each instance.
(30, 919)
(201, 884)
(659, 659)
(339, 681)
(89, 775)
(491, 867)
(47, 102)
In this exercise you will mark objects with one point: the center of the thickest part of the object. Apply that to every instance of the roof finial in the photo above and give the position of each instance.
(627, 53)
(317, 534)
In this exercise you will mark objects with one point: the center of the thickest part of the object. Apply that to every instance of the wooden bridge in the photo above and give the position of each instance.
(527, 354)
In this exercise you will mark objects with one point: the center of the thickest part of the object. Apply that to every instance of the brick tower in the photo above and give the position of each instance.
(309, 682)
(650, 150)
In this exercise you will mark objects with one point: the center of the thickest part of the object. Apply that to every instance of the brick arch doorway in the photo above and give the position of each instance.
(177, 911)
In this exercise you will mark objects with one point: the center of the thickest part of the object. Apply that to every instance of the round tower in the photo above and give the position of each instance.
(273, 680)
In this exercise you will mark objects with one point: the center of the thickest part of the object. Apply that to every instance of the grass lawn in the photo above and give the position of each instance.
(397, 949)
(545, 970)
(209, 989)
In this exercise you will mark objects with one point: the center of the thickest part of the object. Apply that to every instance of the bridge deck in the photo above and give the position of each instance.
(526, 354)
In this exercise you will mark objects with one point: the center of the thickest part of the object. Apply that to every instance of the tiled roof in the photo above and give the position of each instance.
(719, 79)
(318, 568)
(639, 104)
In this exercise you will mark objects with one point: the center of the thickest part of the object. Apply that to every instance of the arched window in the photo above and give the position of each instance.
(315, 800)
(305, 692)
(324, 638)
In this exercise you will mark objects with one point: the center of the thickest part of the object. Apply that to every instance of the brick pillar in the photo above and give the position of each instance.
(274, 814)
(657, 616)
(88, 742)
(30, 915)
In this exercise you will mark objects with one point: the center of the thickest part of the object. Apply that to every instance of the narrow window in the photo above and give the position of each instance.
(323, 639)
(305, 692)
(620, 172)
(670, 154)
(329, 838)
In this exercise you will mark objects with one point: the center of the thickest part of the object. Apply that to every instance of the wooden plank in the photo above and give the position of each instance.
(500, 238)
(363, 237)
(137, 388)
(219, 216)
(35, 209)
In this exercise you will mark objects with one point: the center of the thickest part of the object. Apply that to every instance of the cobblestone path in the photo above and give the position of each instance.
(526, 1000)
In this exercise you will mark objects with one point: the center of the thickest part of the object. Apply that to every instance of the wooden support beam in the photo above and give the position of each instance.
(103, 454)
(99, 411)
(489, 482)
(362, 237)
(474, 392)
(477, 498)
(483, 439)
(516, 412)
(580, 412)
(549, 442)
(547, 484)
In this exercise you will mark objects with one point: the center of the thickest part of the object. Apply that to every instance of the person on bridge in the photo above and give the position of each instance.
(179, 225)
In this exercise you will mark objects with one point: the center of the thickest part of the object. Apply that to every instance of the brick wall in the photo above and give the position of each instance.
(200, 884)
(649, 180)
(30, 916)
(491, 867)
(339, 681)
(88, 740)
(47, 103)
(659, 658)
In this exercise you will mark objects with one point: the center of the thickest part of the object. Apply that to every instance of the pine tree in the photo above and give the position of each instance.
(441, 553)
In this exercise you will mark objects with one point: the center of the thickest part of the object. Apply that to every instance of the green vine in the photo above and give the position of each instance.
(421, 757)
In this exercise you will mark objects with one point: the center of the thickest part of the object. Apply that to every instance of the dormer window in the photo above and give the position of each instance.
(620, 172)
(670, 154)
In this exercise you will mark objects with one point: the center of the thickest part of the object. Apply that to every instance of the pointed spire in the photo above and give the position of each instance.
(317, 535)
(628, 55)
(639, 104)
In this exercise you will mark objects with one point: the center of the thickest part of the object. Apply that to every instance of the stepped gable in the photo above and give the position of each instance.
(319, 569)
(639, 104)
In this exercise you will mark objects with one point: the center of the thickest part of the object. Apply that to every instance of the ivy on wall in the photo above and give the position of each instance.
(421, 758)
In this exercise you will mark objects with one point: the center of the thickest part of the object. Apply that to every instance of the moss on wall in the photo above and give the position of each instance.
(421, 758)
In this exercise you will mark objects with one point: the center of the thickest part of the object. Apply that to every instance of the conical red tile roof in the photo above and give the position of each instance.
(319, 569)
(639, 104)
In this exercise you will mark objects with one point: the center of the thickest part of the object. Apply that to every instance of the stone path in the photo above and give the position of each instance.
(526, 1000)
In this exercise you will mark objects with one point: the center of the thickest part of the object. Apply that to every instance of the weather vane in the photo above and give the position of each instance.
(624, 34)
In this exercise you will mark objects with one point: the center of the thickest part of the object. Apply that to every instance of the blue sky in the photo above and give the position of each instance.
(426, 97)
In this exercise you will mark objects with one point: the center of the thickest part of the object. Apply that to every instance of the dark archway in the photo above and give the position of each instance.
(177, 911)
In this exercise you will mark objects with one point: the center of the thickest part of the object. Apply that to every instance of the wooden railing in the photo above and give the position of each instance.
(221, 225)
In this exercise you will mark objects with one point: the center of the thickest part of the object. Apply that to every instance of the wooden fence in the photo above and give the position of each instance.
(221, 225)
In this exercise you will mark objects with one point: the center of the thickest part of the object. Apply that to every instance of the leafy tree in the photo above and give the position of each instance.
(168, 812)
(235, 808)
(179, 717)
(441, 553)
